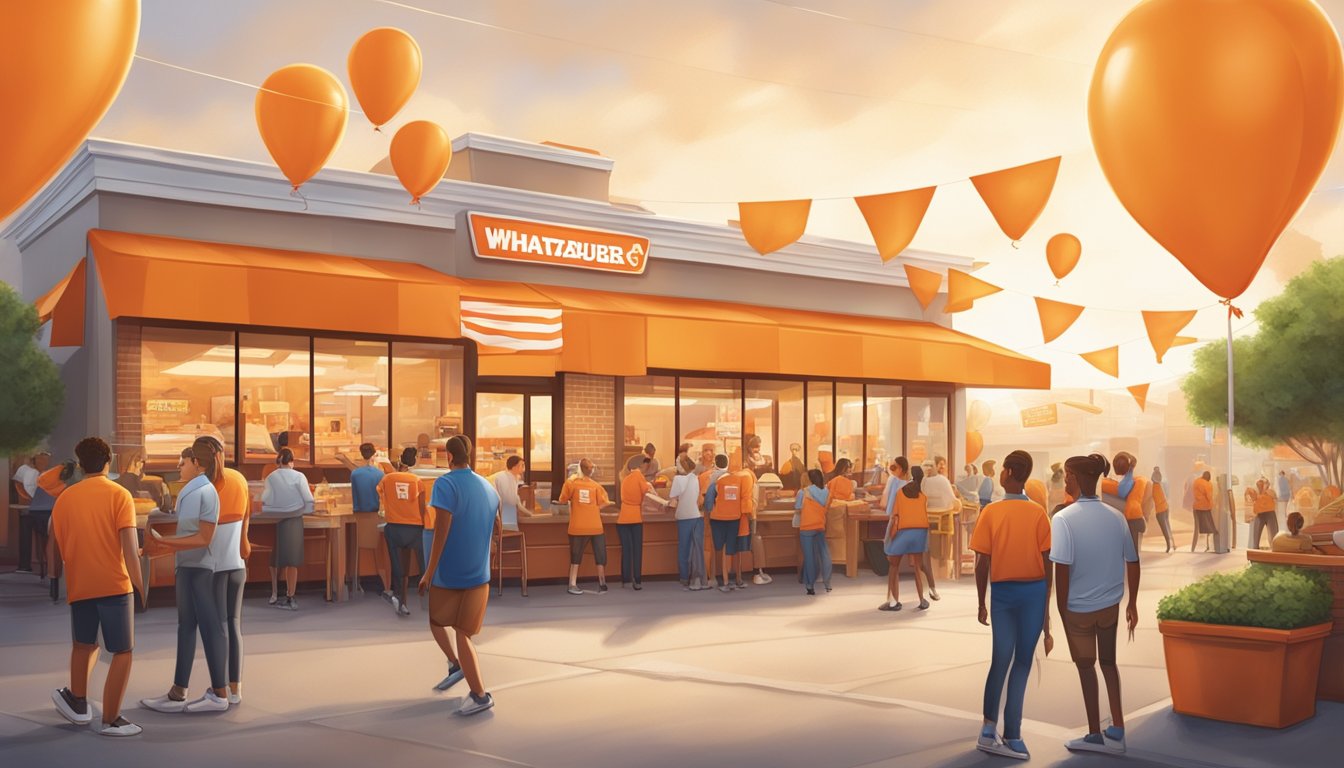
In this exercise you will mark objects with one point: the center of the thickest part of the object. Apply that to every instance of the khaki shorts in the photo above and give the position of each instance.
(461, 609)
(1092, 635)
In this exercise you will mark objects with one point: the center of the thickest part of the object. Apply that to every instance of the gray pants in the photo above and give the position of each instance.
(1259, 523)
(231, 612)
(1164, 522)
(1137, 527)
(691, 550)
(199, 597)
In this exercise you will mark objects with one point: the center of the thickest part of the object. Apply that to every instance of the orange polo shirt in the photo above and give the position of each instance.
(841, 489)
(633, 488)
(400, 496)
(1013, 533)
(911, 513)
(1203, 494)
(426, 491)
(1035, 490)
(813, 514)
(1160, 504)
(1264, 501)
(734, 497)
(87, 522)
(50, 481)
(235, 501)
(1134, 504)
(586, 498)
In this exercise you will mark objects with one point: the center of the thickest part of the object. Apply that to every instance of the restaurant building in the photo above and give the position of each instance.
(520, 305)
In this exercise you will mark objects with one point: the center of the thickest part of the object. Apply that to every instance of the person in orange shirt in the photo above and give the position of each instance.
(403, 505)
(811, 504)
(1129, 493)
(1203, 504)
(93, 524)
(235, 518)
(1265, 516)
(839, 489)
(908, 534)
(734, 506)
(1162, 511)
(630, 522)
(1012, 545)
(586, 498)
(50, 485)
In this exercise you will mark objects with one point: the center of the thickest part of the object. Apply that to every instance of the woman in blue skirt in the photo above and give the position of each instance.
(908, 534)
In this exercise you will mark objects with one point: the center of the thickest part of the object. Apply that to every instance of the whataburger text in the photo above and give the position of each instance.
(495, 237)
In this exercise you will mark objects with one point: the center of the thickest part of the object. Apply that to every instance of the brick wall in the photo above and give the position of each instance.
(590, 422)
(130, 421)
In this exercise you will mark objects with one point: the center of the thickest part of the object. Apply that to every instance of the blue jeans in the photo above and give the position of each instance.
(429, 544)
(813, 561)
(691, 549)
(1016, 613)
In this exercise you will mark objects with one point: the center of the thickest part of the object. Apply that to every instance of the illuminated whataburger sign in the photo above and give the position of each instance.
(535, 242)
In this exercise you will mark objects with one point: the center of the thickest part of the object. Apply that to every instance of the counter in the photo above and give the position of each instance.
(1331, 682)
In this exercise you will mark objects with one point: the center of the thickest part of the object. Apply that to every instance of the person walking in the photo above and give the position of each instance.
(907, 534)
(458, 575)
(234, 547)
(938, 489)
(93, 524)
(811, 505)
(1128, 493)
(1162, 511)
(1094, 556)
(900, 475)
(586, 498)
(630, 520)
(686, 493)
(364, 501)
(199, 598)
(1202, 491)
(1012, 545)
(1265, 513)
(404, 509)
(287, 496)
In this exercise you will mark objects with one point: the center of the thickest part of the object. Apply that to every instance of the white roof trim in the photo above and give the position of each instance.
(485, 142)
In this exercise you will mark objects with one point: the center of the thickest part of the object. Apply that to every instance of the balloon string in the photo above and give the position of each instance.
(416, 203)
(296, 193)
(1016, 247)
(377, 129)
(1232, 309)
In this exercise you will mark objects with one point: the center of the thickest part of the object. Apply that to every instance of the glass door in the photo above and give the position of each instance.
(513, 424)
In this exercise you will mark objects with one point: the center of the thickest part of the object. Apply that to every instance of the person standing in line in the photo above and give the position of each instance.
(234, 547)
(93, 525)
(200, 597)
(811, 505)
(286, 495)
(1162, 511)
(839, 489)
(900, 475)
(1094, 556)
(364, 497)
(1012, 546)
(709, 490)
(686, 493)
(1129, 493)
(586, 498)
(404, 509)
(907, 534)
(1202, 491)
(735, 493)
(26, 477)
(937, 488)
(630, 521)
(637, 463)
(1265, 515)
(725, 518)
(458, 575)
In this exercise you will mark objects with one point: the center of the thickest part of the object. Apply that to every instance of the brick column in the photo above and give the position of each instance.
(130, 416)
(590, 422)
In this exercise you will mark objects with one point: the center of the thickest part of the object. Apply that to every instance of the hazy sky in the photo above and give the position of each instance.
(712, 102)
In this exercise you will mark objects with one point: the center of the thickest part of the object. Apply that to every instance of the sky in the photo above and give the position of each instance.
(705, 103)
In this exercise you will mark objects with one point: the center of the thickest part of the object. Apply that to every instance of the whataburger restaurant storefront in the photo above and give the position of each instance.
(557, 328)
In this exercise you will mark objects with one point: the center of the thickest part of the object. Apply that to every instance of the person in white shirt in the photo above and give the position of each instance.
(27, 474)
(685, 492)
(288, 497)
(506, 482)
(937, 489)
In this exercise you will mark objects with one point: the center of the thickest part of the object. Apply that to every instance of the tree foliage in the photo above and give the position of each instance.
(31, 392)
(1289, 376)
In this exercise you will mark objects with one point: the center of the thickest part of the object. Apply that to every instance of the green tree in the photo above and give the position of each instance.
(1289, 376)
(31, 392)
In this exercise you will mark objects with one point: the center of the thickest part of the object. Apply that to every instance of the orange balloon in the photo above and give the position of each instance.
(384, 66)
(1212, 120)
(301, 111)
(1063, 252)
(61, 66)
(975, 443)
(420, 155)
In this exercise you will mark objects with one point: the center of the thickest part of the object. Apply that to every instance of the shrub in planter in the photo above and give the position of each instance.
(1246, 647)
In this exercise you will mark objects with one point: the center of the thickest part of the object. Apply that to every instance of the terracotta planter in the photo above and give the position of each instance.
(1248, 675)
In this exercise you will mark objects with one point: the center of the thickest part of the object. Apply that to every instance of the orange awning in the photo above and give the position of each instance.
(64, 306)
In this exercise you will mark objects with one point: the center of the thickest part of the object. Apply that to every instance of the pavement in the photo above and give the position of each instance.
(662, 677)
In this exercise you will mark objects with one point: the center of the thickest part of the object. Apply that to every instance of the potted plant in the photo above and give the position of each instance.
(1245, 647)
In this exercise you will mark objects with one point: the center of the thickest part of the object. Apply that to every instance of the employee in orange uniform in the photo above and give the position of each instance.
(811, 507)
(1162, 511)
(1129, 493)
(630, 522)
(1265, 517)
(586, 498)
(1203, 503)
(404, 508)
(1012, 546)
(907, 534)
(734, 505)
(840, 489)
(93, 524)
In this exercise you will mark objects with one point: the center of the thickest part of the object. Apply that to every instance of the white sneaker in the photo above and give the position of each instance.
(235, 698)
(1088, 744)
(67, 705)
(454, 677)
(209, 703)
(471, 705)
(396, 604)
(164, 704)
(120, 727)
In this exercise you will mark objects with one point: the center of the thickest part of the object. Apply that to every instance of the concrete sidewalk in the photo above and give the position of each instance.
(662, 677)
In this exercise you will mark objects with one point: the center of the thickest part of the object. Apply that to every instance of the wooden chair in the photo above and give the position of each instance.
(519, 566)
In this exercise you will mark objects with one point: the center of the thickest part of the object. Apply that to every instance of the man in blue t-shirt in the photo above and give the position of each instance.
(458, 573)
(364, 500)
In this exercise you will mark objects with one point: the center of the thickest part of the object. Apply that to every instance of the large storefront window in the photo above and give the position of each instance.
(186, 391)
(926, 430)
(849, 424)
(539, 460)
(775, 415)
(427, 394)
(886, 437)
(499, 430)
(276, 391)
(711, 413)
(650, 417)
(820, 448)
(350, 399)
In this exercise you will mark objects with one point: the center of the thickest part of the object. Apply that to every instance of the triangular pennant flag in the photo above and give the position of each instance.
(963, 290)
(1163, 327)
(773, 225)
(1105, 360)
(894, 218)
(925, 284)
(1016, 196)
(1181, 341)
(1056, 317)
(1140, 393)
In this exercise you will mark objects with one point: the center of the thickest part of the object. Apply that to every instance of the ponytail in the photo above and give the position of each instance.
(912, 489)
(206, 453)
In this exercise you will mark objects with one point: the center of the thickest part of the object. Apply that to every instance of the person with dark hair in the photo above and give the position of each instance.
(687, 494)
(287, 496)
(735, 499)
(1012, 545)
(636, 463)
(709, 491)
(234, 547)
(50, 485)
(839, 489)
(404, 509)
(1265, 514)
(630, 521)
(907, 534)
(200, 599)
(586, 498)
(1129, 494)
(1162, 510)
(1094, 556)
(458, 576)
(810, 508)
(1203, 506)
(506, 482)
(133, 479)
(1293, 540)
(93, 525)
(364, 501)
(793, 472)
